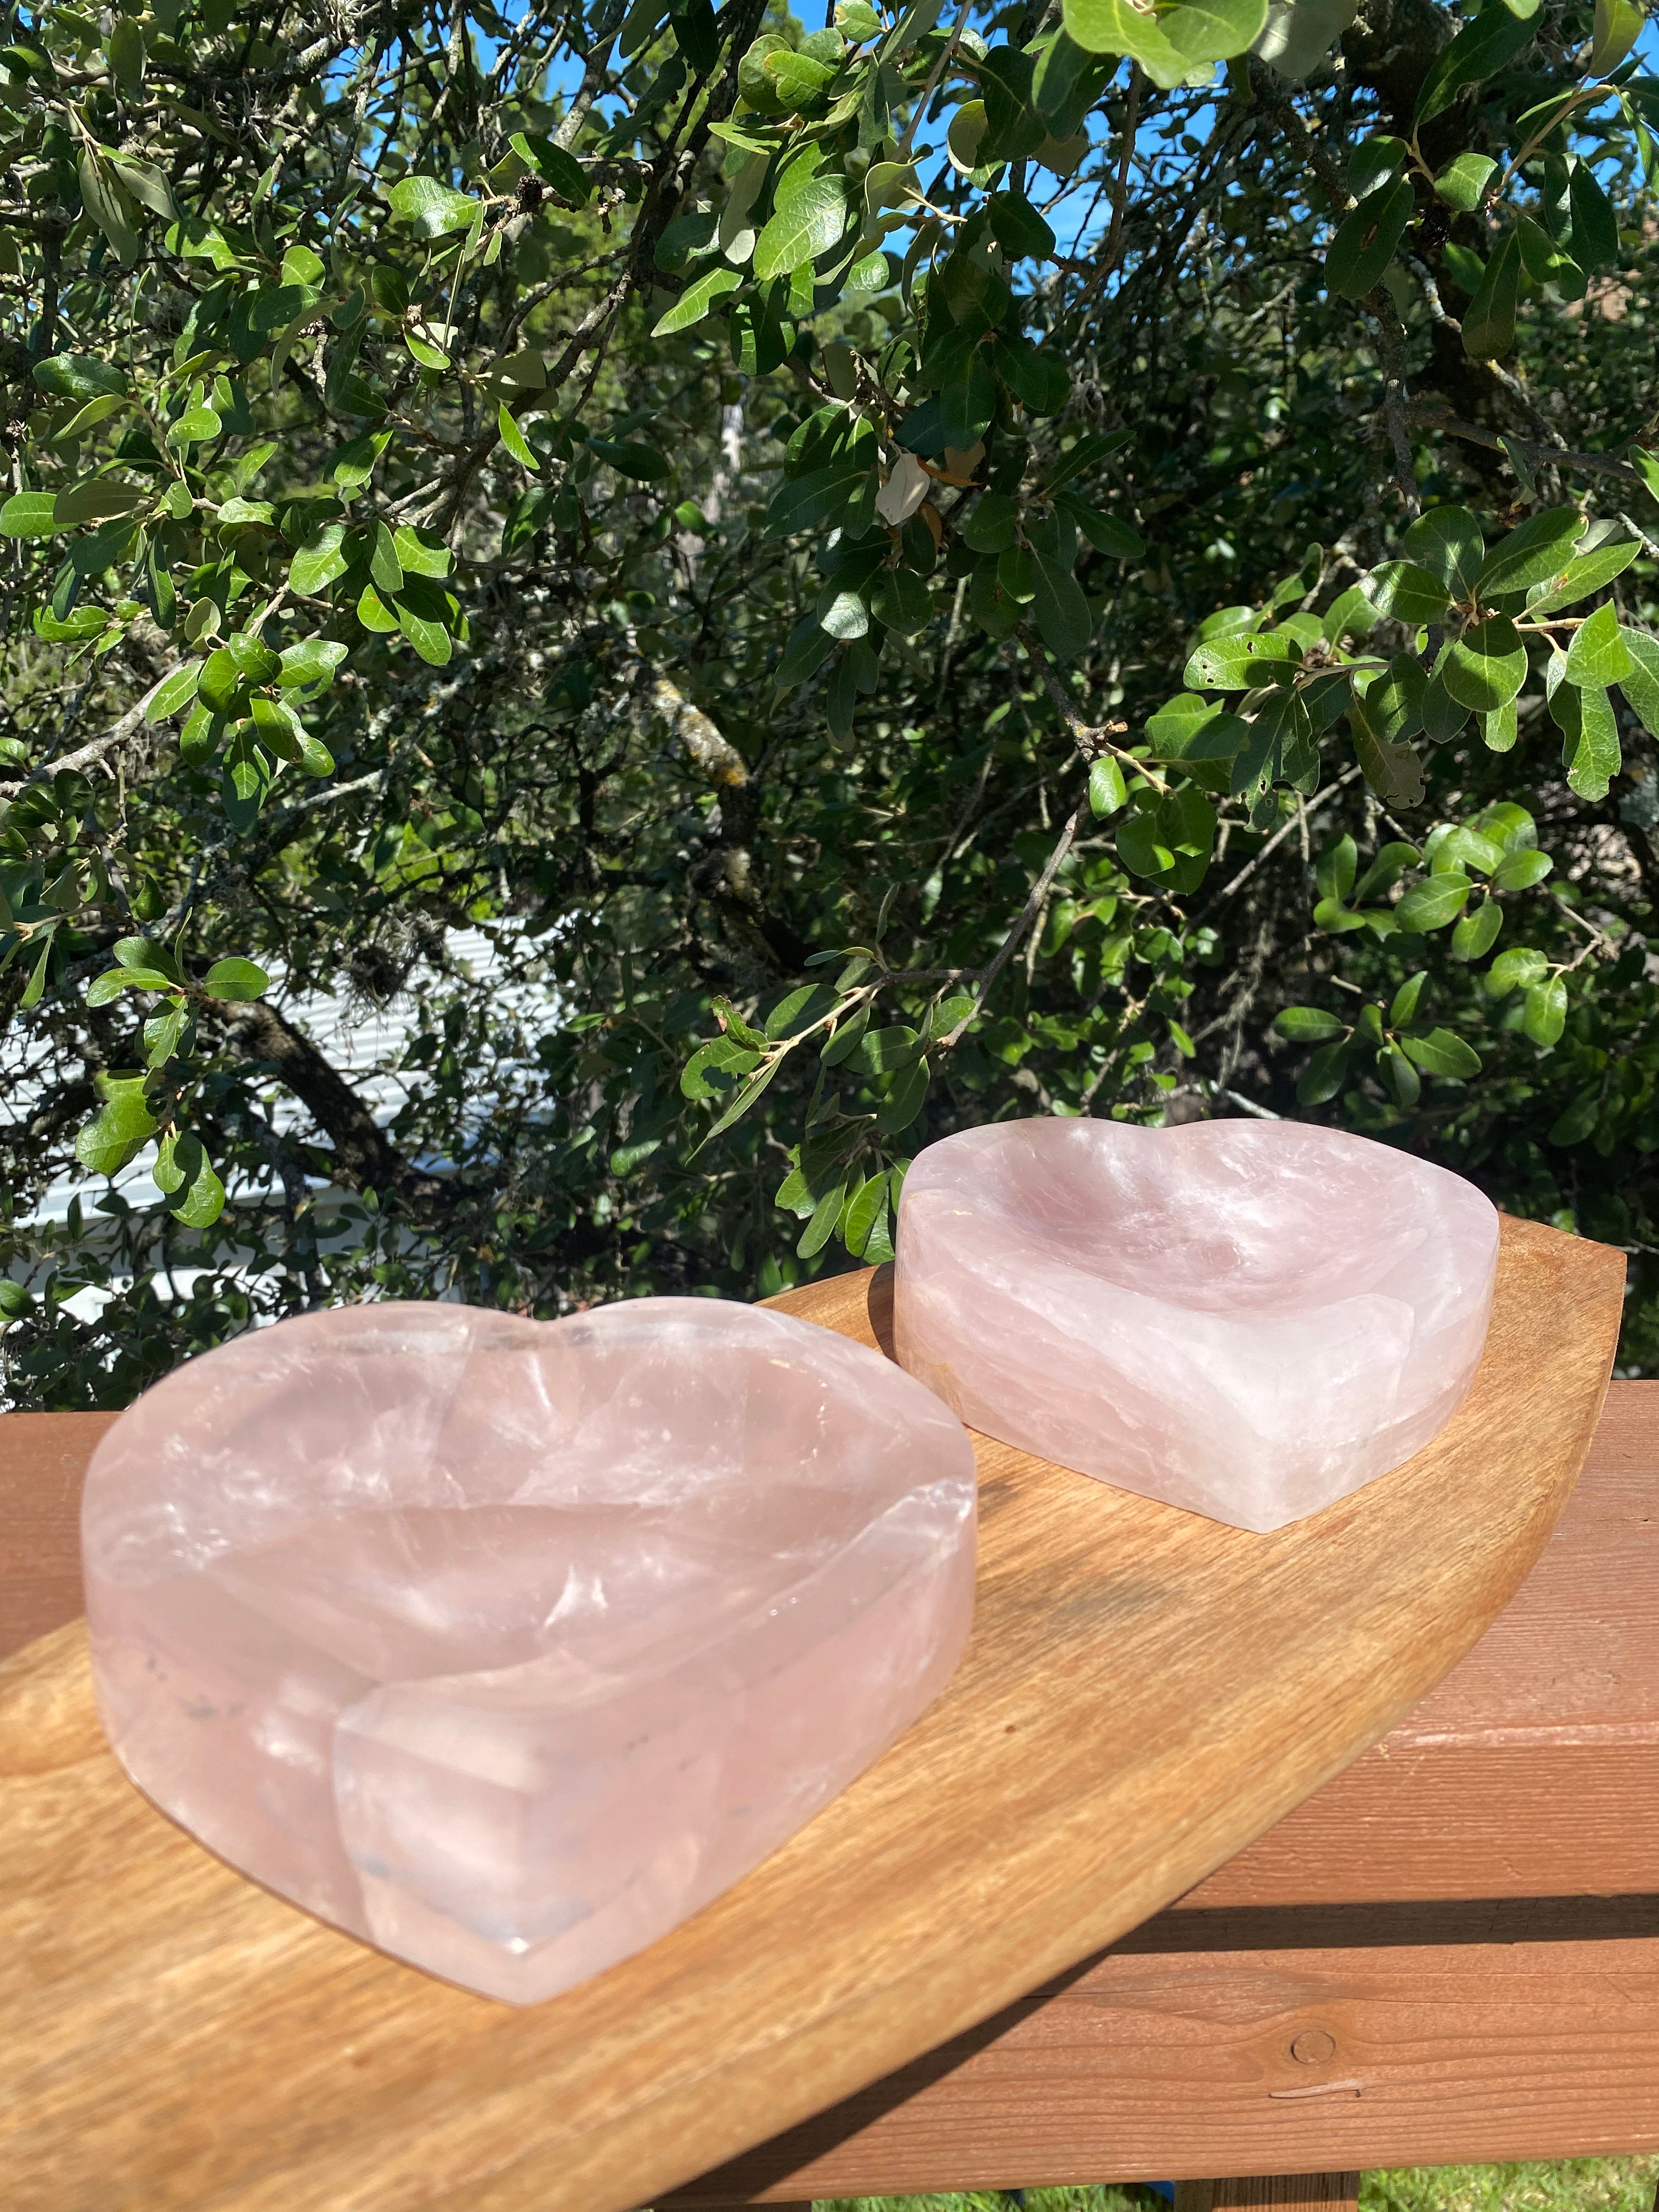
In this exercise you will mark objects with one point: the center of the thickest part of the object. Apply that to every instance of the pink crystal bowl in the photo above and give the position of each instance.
(1247, 1319)
(507, 1645)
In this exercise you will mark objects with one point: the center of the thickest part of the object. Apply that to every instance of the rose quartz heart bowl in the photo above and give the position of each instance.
(507, 1645)
(1247, 1319)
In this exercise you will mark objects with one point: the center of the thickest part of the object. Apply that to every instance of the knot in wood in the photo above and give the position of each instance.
(1313, 2046)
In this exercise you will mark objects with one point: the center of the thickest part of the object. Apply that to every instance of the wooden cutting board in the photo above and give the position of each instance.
(1145, 1693)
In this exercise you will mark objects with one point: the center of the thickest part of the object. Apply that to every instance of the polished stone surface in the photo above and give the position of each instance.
(507, 1645)
(1248, 1319)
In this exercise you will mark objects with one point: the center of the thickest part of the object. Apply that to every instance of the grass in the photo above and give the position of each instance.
(1584, 2184)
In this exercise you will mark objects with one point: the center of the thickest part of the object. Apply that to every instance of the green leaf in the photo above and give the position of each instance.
(1308, 1024)
(1521, 871)
(1017, 227)
(743, 1100)
(695, 302)
(386, 569)
(825, 1216)
(1618, 26)
(1107, 790)
(556, 166)
(1480, 49)
(1441, 1053)
(123, 50)
(106, 201)
(100, 498)
(1407, 999)
(203, 1195)
(808, 225)
(1477, 932)
(1646, 465)
(1584, 574)
(172, 692)
(28, 514)
(1489, 319)
(1037, 376)
(1374, 162)
(313, 660)
(1115, 27)
(220, 681)
(1486, 667)
(863, 1209)
(121, 1126)
(78, 376)
(724, 1055)
(1546, 262)
(1191, 728)
(884, 1052)
(1365, 243)
(1462, 182)
(1546, 1014)
(1465, 848)
(255, 662)
(514, 439)
(1640, 685)
(1393, 702)
(1432, 904)
(237, 980)
(1385, 871)
(1595, 225)
(633, 457)
(1399, 1077)
(1239, 663)
(1393, 771)
(905, 1101)
(1323, 1076)
(1531, 554)
(374, 613)
(1105, 532)
(1598, 654)
(901, 600)
(1407, 593)
(319, 560)
(1499, 729)
(1447, 542)
(1518, 970)
(1060, 611)
(1589, 748)
(429, 636)
(113, 980)
(432, 210)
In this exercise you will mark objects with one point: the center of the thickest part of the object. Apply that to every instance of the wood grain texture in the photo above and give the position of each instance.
(1144, 1693)
(1283, 2192)
(1530, 1769)
(43, 1464)
(1236, 2061)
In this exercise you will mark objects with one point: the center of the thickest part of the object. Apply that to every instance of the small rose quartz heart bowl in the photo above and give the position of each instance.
(1246, 1319)
(506, 1645)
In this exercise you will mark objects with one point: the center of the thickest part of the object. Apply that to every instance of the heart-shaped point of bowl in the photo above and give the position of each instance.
(1248, 1319)
(506, 1645)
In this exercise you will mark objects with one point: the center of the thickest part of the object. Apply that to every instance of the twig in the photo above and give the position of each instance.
(952, 46)
(1028, 913)
(83, 755)
(1558, 456)
(1261, 1112)
(1393, 399)
(1301, 816)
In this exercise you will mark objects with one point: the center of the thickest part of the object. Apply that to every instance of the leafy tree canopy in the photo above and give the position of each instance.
(1095, 556)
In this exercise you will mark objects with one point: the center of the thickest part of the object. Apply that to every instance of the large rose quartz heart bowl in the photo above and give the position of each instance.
(1246, 1319)
(507, 1645)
